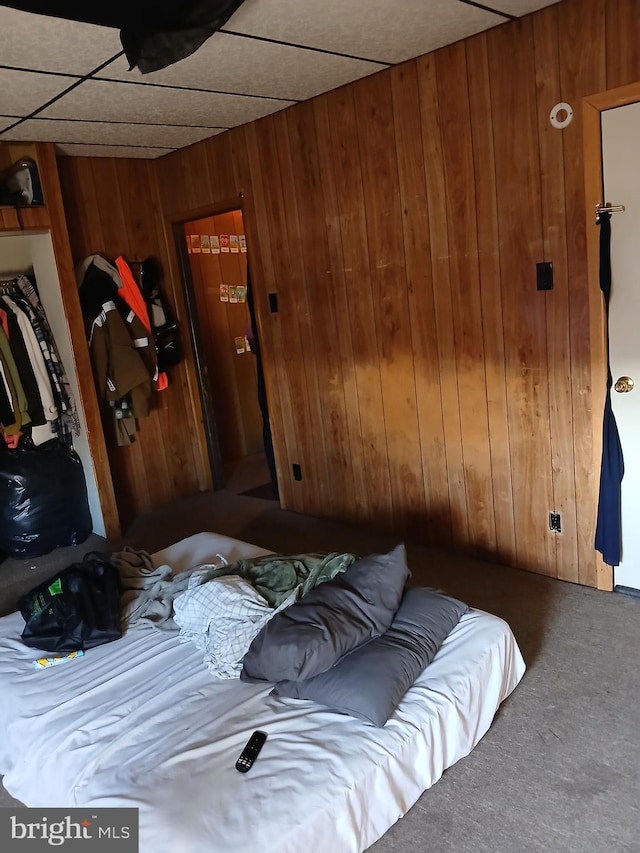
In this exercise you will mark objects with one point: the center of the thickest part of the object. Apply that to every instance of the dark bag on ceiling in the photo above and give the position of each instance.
(75, 610)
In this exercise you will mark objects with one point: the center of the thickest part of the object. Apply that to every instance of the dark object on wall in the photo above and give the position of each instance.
(154, 35)
(544, 276)
(43, 499)
(165, 330)
(20, 184)
(75, 610)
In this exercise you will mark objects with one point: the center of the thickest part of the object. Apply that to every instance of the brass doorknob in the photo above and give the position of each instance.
(624, 384)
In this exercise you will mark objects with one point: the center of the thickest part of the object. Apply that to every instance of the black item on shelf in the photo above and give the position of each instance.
(75, 610)
(43, 499)
(20, 184)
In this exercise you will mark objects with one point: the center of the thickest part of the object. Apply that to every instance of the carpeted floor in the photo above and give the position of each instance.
(559, 771)
(267, 491)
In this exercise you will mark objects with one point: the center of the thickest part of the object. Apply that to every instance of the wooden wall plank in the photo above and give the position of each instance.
(582, 72)
(357, 276)
(82, 208)
(491, 295)
(9, 219)
(464, 277)
(424, 335)
(550, 141)
(357, 494)
(327, 364)
(173, 177)
(436, 190)
(219, 159)
(513, 92)
(305, 336)
(197, 178)
(290, 305)
(374, 111)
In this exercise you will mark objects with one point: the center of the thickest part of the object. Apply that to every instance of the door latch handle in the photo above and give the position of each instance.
(624, 384)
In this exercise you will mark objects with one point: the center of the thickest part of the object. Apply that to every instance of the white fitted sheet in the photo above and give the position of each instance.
(141, 723)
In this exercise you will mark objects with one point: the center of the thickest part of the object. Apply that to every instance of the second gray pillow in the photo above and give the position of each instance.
(333, 619)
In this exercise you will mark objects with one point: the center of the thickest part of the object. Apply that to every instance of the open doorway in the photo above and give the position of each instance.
(228, 355)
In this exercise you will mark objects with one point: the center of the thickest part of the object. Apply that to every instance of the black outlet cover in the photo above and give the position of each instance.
(544, 276)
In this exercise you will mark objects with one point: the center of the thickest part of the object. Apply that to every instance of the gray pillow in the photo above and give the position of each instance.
(370, 682)
(331, 620)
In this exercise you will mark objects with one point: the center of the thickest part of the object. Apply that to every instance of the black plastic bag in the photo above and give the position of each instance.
(43, 499)
(75, 610)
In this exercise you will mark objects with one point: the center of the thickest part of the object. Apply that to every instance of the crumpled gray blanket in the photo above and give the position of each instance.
(149, 592)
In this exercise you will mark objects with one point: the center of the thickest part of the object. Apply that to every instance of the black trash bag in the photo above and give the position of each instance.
(43, 499)
(75, 610)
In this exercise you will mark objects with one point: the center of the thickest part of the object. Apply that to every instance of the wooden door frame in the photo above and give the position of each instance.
(177, 222)
(592, 107)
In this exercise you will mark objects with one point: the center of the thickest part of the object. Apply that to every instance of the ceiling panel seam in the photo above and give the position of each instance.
(490, 9)
(196, 89)
(120, 121)
(306, 47)
(65, 92)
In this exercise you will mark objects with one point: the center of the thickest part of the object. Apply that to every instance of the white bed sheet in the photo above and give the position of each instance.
(141, 723)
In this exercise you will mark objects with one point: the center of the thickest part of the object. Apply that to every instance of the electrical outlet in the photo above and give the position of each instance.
(554, 522)
(544, 276)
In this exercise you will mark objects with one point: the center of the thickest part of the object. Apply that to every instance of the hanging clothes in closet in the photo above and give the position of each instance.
(122, 348)
(35, 396)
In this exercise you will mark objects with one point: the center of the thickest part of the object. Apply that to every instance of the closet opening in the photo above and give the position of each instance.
(214, 259)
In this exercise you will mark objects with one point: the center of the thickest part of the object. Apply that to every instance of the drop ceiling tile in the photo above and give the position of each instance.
(44, 43)
(74, 150)
(519, 7)
(145, 103)
(6, 121)
(103, 133)
(22, 92)
(369, 29)
(228, 63)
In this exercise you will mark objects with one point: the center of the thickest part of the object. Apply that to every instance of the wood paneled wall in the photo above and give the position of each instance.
(112, 209)
(413, 370)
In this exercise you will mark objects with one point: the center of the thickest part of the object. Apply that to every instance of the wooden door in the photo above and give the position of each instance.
(620, 137)
(218, 263)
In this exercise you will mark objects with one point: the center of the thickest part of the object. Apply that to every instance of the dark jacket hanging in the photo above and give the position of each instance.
(608, 528)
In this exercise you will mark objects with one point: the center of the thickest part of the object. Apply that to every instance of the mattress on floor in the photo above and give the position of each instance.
(141, 723)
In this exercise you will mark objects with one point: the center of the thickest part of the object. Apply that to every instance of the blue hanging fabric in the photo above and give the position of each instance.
(608, 528)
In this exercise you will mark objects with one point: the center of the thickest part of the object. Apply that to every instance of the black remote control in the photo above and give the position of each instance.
(250, 752)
